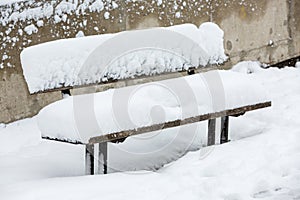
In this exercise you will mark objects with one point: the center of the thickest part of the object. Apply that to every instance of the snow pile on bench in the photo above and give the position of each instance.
(80, 61)
(171, 99)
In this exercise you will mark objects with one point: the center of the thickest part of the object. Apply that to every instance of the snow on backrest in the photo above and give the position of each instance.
(96, 59)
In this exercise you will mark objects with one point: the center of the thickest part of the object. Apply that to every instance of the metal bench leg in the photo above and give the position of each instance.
(102, 162)
(224, 129)
(89, 159)
(211, 132)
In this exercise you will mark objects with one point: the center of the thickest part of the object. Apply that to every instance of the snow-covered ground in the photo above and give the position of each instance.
(262, 161)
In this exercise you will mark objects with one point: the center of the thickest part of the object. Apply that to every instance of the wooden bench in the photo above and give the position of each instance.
(118, 136)
(102, 140)
(89, 64)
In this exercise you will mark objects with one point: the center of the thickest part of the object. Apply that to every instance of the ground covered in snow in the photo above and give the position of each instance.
(262, 161)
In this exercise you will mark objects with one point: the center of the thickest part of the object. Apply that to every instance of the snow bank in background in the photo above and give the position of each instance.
(176, 98)
(77, 61)
(248, 67)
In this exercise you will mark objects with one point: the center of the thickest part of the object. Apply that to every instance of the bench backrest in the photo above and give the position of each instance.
(122, 59)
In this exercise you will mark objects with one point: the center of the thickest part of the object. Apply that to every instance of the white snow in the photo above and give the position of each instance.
(49, 9)
(8, 2)
(159, 2)
(20, 31)
(68, 114)
(248, 67)
(4, 57)
(114, 5)
(91, 59)
(40, 23)
(97, 6)
(79, 34)
(30, 29)
(297, 65)
(261, 161)
(57, 19)
(106, 15)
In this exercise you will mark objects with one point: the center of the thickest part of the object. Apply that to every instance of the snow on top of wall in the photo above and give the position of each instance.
(9, 2)
(72, 16)
(21, 10)
(95, 59)
(39, 10)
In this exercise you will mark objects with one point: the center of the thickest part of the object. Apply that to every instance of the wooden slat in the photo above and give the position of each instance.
(132, 81)
(61, 140)
(175, 123)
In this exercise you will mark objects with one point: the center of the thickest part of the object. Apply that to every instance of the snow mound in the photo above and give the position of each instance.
(297, 65)
(248, 67)
(95, 59)
(81, 117)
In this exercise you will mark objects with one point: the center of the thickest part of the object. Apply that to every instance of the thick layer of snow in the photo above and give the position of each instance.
(32, 10)
(248, 67)
(263, 166)
(122, 55)
(30, 29)
(81, 117)
(8, 2)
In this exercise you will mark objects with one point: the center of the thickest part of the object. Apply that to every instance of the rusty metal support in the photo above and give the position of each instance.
(102, 158)
(211, 132)
(224, 129)
(89, 159)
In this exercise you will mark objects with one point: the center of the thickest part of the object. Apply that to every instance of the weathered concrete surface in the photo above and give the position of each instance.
(249, 26)
(294, 27)
(261, 35)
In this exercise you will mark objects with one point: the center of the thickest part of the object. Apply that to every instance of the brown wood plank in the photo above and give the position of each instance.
(133, 81)
(175, 123)
(61, 140)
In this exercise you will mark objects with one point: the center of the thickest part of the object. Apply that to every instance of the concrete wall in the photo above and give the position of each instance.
(249, 26)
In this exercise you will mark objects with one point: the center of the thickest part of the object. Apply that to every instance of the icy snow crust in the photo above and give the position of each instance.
(136, 106)
(94, 59)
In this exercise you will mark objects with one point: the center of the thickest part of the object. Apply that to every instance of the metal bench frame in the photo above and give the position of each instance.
(102, 155)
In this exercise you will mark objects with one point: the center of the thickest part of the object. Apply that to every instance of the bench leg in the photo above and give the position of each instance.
(224, 129)
(102, 156)
(211, 132)
(89, 159)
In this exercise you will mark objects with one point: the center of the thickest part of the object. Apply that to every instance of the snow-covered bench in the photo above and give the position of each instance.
(224, 115)
(65, 65)
(61, 114)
